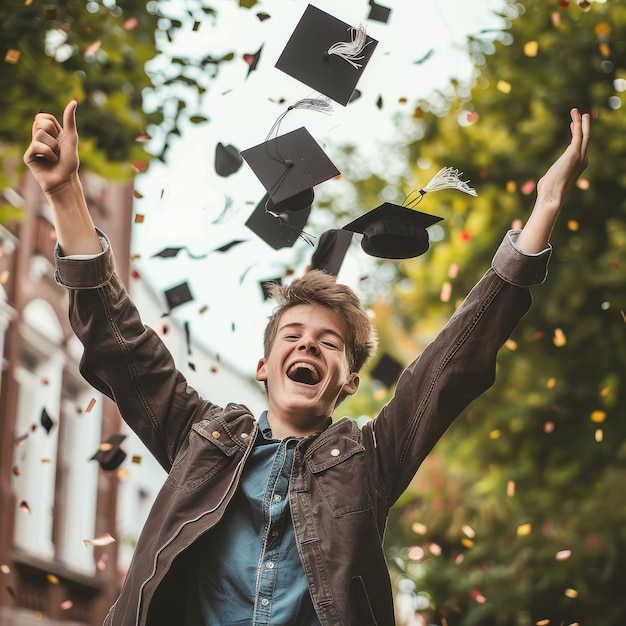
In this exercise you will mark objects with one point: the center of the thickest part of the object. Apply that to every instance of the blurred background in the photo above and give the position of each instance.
(518, 517)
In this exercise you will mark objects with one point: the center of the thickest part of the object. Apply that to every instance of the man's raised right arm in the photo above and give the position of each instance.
(52, 158)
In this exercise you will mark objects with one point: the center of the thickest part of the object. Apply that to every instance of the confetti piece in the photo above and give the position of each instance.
(472, 117)
(446, 292)
(5, 569)
(453, 270)
(599, 435)
(94, 47)
(418, 528)
(556, 19)
(52, 579)
(203, 309)
(559, 338)
(511, 344)
(136, 459)
(543, 622)
(582, 183)
(528, 187)
(46, 460)
(141, 166)
(468, 543)
(416, 553)
(605, 306)
(524, 529)
(598, 416)
(531, 48)
(24, 506)
(563, 555)
(510, 186)
(131, 23)
(66, 605)
(435, 549)
(495, 434)
(469, 531)
(573, 225)
(139, 218)
(12, 56)
(602, 29)
(459, 559)
(196, 26)
(571, 593)
(551, 383)
(548, 427)
(90, 406)
(102, 540)
(510, 488)
(503, 86)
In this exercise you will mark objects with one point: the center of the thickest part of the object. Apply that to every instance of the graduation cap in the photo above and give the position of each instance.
(227, 160)
(276, 224)
(266, 286)
(331, 250)
(326, 54)
(290, 164)
(180, 294)
(109, 454)
(252, 60)
(378, 12)
(387, 370)
(46, 421)
(392, 231)
(168, 253)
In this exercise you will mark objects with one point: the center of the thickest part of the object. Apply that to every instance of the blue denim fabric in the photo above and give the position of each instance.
(249, 571)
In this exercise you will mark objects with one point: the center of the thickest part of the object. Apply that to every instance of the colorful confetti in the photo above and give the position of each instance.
(102, 540)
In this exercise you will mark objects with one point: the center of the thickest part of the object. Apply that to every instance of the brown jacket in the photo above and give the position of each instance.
(343, 481)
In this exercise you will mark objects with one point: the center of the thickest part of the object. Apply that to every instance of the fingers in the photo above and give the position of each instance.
(69, 117)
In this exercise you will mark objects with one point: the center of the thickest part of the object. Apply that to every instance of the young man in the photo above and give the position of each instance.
(280, 520)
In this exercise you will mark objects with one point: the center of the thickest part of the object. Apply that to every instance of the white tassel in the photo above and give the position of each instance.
(351, 50)
(448, 178)
(323, 105)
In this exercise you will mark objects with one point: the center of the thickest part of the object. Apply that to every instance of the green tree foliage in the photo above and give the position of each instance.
(519, 517)
(96, 51)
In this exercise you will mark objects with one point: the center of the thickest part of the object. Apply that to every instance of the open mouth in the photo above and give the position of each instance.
(303, 373)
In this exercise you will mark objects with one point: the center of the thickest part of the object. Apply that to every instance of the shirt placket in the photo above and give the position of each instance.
(275, 512)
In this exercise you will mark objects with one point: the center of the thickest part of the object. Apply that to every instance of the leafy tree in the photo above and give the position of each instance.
(519, 517)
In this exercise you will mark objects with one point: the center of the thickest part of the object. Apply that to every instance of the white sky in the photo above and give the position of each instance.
(181, 200)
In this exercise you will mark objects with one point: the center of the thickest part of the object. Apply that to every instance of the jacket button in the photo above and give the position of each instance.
(216, 434)
(335, 452)
(244, 435)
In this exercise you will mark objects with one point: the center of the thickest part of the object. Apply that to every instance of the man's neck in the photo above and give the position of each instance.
(282, 428)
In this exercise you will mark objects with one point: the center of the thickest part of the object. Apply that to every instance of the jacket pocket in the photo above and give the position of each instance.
(209, 449)
(338, 469)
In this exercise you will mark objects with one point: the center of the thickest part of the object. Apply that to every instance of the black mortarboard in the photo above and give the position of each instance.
(391, 231)
(290, 164)
(331, 250)
(326, 54)
(167, 253)
(227, 160)
(378, 12)
(231, 244)
(278, 232)
(252, 60)
(266, 286)
(387, 370)
(109, 454)
(46, 421)
(178, 295)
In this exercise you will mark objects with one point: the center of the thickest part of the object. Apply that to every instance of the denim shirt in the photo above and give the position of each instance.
(248, 571)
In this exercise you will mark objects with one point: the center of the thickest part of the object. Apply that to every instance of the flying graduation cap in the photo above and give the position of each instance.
(290, 164)
(393, 231)
(378, 12)
(109, 454)
(387, 370)
(327, 54)
(177, 295)
(331, 250)
(227, 160)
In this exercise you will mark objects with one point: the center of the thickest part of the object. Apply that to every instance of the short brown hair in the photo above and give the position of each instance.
(320, 288)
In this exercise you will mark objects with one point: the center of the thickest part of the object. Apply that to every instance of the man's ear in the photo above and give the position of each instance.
(352, 386)
(261, 374)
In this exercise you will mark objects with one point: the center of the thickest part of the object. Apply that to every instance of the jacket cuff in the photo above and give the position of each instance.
(518, 267)
(88, 273)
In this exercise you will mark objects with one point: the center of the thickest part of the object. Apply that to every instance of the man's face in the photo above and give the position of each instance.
(307, 367)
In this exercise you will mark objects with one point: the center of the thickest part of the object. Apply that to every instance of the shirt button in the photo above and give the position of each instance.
(244, 435)
(270, 565)
(265, 602)
(335, 452)
(277, 498)
(216, 434)
(275, 533)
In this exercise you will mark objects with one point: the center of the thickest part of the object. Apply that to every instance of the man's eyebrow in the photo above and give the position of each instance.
(325, 331)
